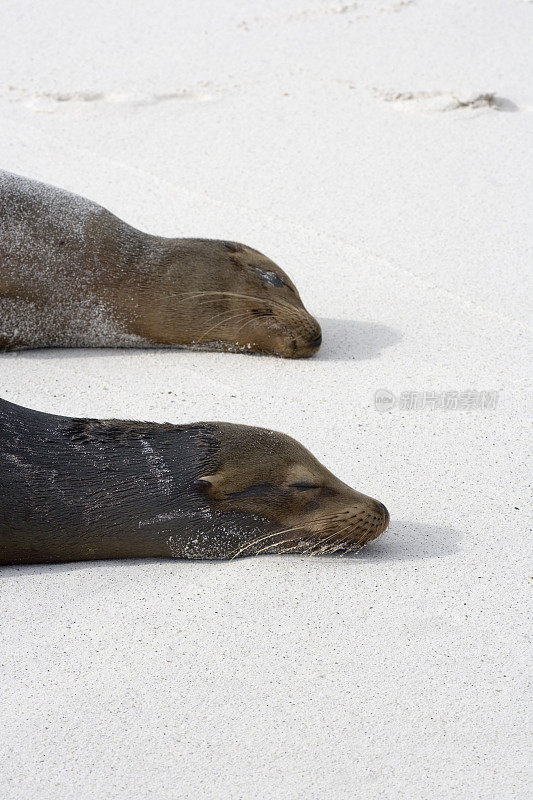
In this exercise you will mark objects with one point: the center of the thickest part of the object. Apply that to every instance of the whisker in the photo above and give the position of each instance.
(222, 313)
(239, 315)
(244, 322)
(339, 545)
(239, 329)
(294, 547)
(251, 544)
(317, 549)
(279, 533)
(359, 544)
(219, 293)
(262, 538)
(274, 544)
(220, 321)
(317, 545)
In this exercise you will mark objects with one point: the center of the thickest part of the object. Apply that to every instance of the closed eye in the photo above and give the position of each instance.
(271, 277)
(302, 486)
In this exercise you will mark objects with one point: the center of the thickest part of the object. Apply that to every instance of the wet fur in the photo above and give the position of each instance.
(76, 489)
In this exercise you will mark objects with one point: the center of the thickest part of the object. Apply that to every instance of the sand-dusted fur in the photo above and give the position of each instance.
(74, 275)
(78, 489)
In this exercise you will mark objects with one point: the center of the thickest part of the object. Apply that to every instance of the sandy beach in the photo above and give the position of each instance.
(377, 151)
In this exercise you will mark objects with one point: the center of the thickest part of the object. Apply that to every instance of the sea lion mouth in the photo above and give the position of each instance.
(322, 536)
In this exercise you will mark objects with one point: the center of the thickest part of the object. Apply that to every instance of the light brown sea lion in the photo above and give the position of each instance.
(78, 489)
(74, 275)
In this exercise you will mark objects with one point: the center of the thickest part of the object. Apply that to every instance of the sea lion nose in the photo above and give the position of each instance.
(384, 513)
(317, 341)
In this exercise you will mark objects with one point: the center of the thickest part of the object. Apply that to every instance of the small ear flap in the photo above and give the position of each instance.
(204, 482)
(213, 482)
(216, 485)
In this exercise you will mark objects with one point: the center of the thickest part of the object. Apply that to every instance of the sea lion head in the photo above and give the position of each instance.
(283, 498)
(238, 299)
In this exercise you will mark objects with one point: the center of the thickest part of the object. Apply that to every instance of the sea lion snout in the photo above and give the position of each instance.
(349, 520)
(299, 336)
(373, 521)
(311, 339)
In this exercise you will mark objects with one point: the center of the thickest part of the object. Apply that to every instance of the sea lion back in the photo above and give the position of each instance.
(50, 269)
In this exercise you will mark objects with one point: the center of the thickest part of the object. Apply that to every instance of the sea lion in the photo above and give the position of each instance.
(79, 489)
(74, 275)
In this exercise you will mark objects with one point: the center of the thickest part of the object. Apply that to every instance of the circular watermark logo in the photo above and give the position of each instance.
(384, 400)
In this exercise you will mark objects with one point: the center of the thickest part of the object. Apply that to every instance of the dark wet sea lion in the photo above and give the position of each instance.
(74, 275)
(78, 489)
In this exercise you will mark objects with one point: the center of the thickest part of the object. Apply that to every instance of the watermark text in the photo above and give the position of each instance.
(447, 400)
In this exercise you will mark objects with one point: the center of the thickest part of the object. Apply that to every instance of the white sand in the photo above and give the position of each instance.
(377, 150)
